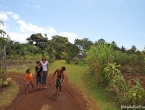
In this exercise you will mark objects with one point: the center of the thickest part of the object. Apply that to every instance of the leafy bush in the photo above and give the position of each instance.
(82, 61)
(119, 57)
(76, 61)
(136, 64)
(5, 83)
(130, 63)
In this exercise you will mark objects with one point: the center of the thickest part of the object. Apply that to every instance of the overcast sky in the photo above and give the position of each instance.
(122, 21)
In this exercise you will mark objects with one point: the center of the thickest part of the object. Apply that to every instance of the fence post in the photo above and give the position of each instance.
(3, 66)
(4, 58)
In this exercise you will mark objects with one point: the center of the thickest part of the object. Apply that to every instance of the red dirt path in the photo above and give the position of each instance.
(47, 99)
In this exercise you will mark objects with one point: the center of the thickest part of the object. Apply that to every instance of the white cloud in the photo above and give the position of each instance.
(15, 16)
(22, 36)
(9, 13)
(3, 16)
(51, 30)
(19, 37)
(29, 27)
(21, 30)
(37, 6)
(26, 29)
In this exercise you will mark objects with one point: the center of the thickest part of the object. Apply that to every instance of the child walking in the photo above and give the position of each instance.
(29, 78)
(38, 74)
(59, 78)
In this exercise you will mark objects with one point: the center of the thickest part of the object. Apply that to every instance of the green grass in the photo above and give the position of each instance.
(104, 100)
(7, 95)
(22, 67)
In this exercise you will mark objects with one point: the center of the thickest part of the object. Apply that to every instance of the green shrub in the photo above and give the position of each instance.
(119, 57)
(82, 61)
(98, 57)
(76, 61)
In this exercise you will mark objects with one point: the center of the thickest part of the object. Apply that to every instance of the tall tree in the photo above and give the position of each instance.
(114, 45)
(83, 44)
(59, 39)
(38, 40)
(102, 41)
(58, 43)
(122, 49)
(133, 49)
(72, 49)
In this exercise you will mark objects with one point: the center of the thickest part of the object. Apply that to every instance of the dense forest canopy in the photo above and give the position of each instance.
(55, 48)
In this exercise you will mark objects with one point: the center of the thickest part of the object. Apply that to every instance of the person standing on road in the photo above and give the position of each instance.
(44, 64)
(38, 74)
(59, 78)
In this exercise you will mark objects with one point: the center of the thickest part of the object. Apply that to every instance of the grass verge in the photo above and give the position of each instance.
(7, 95)
(105, 101)
(21, 67)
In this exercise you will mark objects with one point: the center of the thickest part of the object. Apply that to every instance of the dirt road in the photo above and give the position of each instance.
(47, 99)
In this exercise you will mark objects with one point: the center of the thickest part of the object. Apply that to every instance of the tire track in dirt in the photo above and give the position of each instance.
(46, 99)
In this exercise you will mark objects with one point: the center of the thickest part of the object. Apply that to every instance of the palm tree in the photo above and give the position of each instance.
(1, 22)
(2, 33)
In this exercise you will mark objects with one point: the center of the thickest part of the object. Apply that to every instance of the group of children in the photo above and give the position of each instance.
(41, 72)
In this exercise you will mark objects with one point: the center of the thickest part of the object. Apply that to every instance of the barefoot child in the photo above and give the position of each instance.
(29, 78)
(38, 74)
(59, 79)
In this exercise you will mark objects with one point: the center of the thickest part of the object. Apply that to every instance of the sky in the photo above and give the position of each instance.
(122, 21)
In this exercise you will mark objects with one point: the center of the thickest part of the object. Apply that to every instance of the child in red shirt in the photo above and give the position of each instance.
(29, 78)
